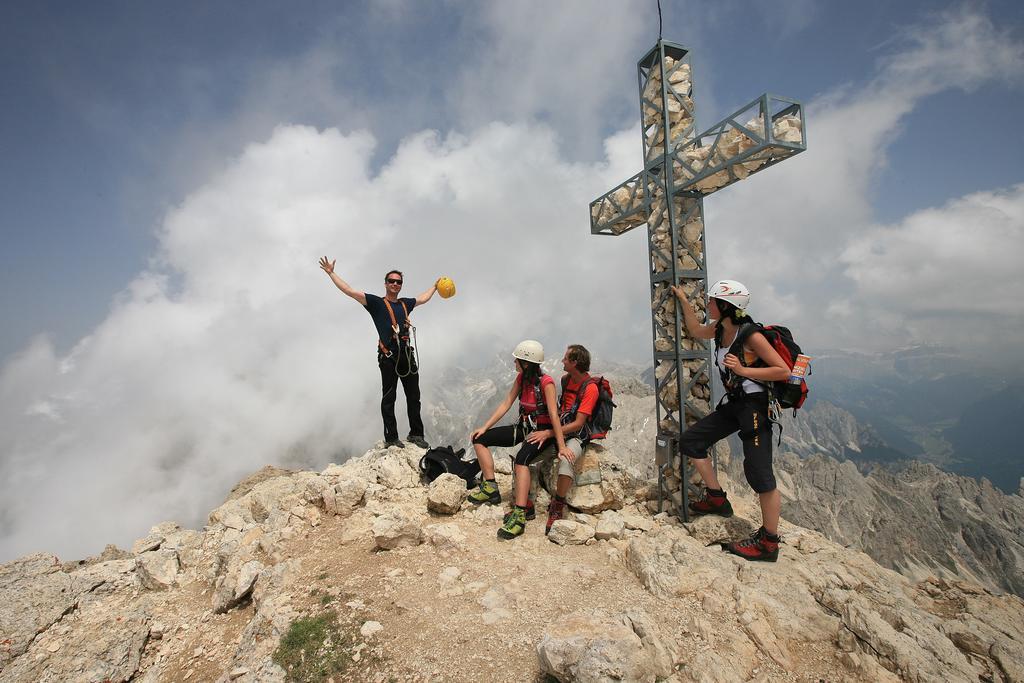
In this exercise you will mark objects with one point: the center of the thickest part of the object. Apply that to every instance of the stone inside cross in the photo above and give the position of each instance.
(680, 169)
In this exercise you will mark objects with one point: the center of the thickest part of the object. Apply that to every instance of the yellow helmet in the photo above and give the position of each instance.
(445, 287)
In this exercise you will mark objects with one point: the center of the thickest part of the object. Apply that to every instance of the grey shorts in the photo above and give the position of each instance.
(564, 466)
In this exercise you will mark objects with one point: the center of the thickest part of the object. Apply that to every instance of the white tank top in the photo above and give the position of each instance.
(748, 386)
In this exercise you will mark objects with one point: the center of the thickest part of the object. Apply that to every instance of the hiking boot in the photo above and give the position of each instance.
(514, 526)
(418, 440)
(531, 512)
(556, 511)
(488, 493)
(394, 443)
(757, 548)
(711, 504)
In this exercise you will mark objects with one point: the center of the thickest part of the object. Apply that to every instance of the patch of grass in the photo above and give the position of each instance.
(325, 599)
(314, 649)
(321, 576)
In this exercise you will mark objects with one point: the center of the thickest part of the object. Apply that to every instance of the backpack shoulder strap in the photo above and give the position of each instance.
(743, 335)
(578, 399)
(582, 390)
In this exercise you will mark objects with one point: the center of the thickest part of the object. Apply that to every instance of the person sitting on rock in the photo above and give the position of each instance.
(538, 421)
(744, 409)
(575, 411)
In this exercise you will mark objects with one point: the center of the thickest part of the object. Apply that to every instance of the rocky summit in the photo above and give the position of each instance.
(364, 572)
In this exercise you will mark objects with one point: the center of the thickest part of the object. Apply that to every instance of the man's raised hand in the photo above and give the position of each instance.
(327, 266)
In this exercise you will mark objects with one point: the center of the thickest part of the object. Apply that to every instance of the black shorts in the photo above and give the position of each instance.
(507, 436)
(747, 415)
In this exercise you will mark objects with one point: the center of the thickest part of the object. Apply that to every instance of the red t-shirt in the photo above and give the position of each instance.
(528, 398)
(590, 395)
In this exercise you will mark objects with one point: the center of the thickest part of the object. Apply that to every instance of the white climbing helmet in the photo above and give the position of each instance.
(732, 291)
(529, 350)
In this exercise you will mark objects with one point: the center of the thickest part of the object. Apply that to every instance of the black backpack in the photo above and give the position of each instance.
(444, 459)
(600, 422)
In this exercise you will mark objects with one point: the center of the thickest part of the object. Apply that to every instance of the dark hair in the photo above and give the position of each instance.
(531, 372)
(730, 311)
(579, 355)
(393, 271)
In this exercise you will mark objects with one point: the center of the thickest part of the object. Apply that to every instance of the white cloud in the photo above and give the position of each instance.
(561, 63)
(938, 272)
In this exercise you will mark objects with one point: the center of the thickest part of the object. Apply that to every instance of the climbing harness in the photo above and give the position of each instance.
(528, 418)
(405, 351)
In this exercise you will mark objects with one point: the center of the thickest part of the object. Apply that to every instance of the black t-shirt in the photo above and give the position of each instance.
(382, 321)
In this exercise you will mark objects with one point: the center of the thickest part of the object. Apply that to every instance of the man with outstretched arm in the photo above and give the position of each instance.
(396, 356)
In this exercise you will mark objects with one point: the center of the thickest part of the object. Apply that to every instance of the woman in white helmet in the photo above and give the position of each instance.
(538, 413)
(744, 409)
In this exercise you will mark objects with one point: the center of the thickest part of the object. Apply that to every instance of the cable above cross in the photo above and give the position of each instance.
(680, 169)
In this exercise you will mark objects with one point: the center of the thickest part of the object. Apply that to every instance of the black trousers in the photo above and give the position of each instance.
(748, 415)
(390, 368)
(510, 435)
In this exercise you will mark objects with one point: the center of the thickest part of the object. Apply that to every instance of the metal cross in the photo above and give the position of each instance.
(668, 196)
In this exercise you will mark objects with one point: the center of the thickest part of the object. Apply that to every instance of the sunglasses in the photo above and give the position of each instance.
(393, 281)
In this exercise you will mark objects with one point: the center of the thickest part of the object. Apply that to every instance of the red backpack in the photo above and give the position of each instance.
(781, 339)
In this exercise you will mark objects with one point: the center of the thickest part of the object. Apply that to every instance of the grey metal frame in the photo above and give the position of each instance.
(632, 203)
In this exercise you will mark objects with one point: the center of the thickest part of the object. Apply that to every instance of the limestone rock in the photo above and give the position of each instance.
(566, 532)
(157, 569)
(101, 647)
(637, 522)
(265, 473)
(235, 584)
(446, 494)
(710, 529)
(34, 594)
(445, 537)
(395, 471)
(588, 467)
(595, 647)
(395, 529)
(150, 542)
(610, 525)
(341, 498)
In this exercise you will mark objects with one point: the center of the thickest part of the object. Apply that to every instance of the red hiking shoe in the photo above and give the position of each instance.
(556, 511)
(711, 504)
(757, 548)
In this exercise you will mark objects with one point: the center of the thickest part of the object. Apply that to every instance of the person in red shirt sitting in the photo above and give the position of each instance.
(575, 411)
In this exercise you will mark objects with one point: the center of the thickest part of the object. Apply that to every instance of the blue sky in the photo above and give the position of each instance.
(169, 177)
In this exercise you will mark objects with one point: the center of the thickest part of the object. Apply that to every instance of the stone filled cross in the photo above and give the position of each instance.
(680, 169)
